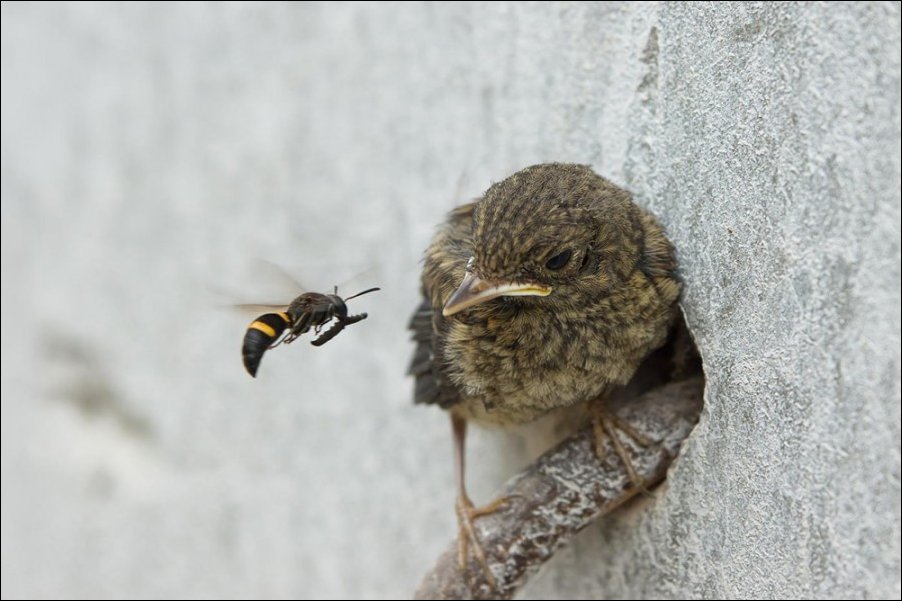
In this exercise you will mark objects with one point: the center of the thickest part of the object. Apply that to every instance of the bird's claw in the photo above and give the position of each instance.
(605, 424)
(466, 537)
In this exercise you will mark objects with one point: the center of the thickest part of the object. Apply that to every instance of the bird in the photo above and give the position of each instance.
(547, 292)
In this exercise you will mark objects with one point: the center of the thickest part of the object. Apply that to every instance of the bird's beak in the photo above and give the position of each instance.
(474, 290)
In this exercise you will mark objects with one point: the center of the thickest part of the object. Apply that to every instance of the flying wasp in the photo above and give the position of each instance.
(309, 310)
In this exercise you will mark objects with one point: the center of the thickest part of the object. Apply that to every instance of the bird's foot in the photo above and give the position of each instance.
(605, 424)
(467, 537)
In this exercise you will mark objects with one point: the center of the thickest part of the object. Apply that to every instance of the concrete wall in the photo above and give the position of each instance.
(150, 153)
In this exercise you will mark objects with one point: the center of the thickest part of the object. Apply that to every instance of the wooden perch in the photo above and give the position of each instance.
(563, 492)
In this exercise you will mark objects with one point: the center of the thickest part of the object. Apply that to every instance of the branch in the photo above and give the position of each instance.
(563, 492)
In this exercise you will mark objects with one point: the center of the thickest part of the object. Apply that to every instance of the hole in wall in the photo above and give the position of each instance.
(677, 360)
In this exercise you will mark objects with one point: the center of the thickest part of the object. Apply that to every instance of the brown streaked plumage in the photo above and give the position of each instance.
(547, 292)
(512, 359)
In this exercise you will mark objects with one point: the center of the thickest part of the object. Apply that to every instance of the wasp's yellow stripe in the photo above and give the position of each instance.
(259, 325)
(285, 317)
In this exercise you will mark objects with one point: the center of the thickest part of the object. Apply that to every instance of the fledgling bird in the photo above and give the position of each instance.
(547, 292)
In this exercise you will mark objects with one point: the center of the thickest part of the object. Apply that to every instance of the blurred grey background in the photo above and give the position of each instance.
(153, 154)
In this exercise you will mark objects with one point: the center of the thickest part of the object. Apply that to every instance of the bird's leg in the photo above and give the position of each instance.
(605, 424)
(466, 512)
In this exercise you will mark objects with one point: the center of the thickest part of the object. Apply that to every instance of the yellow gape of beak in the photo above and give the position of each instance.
(474, 290)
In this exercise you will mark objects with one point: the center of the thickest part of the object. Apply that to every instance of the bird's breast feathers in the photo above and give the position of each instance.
(517, 368)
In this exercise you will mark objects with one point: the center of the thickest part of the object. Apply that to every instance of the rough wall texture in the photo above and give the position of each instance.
(150, 153)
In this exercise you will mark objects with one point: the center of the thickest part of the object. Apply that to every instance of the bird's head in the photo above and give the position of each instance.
(551, 235)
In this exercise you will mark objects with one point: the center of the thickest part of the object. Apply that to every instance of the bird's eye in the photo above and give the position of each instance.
(558, 261)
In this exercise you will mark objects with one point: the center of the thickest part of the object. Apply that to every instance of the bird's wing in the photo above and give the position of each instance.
(431, 385)
(442, 271)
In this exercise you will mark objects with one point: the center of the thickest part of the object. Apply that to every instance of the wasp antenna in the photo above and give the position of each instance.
(362, 293)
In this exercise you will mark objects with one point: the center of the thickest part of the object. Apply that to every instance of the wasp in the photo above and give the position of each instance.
(309, 310)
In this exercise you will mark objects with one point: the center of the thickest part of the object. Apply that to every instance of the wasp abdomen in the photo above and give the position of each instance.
(260, 335)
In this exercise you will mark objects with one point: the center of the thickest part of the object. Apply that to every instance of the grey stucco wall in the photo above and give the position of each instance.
(151, 153)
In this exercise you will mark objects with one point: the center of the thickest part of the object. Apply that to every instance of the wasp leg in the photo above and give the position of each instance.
(354, 318)
(330, 334)
(300, 327)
